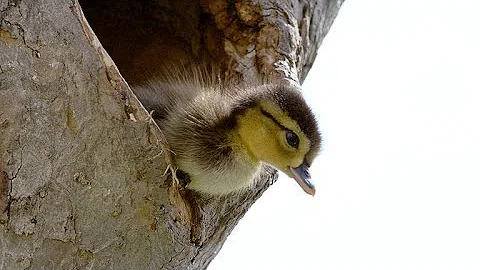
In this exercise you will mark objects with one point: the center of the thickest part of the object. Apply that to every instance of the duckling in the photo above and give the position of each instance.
(221, 135)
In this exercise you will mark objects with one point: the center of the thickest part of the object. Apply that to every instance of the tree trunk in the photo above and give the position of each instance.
(82, 165)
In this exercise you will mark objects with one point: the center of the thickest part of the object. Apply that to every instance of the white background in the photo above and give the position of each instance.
(396, 89)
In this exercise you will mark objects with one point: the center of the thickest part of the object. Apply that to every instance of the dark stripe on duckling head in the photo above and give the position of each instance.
(268, 115)
(290, 100)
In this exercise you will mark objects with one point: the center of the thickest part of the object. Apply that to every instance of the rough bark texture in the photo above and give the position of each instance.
(82, 166)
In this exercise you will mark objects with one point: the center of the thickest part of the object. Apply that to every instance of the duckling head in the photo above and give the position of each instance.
(281, 130)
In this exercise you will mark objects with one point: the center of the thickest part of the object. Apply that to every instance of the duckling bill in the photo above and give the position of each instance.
(220, 136)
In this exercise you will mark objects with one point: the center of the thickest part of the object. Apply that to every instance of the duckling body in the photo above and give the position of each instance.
(221, 136)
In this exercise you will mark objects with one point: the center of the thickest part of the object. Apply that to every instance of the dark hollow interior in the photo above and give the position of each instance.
(145, 37)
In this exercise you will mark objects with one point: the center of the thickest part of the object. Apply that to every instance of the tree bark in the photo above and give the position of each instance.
(82, 165)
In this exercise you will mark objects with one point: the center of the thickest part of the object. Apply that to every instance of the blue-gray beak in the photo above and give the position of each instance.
(301, 174)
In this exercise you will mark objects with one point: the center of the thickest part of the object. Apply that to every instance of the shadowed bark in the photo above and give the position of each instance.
(83, 175)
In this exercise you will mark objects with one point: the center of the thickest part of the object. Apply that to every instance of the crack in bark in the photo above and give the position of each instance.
(21, 32)
(9, 180)
(19, 167)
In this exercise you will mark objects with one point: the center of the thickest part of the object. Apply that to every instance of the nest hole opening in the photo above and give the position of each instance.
(145, 37)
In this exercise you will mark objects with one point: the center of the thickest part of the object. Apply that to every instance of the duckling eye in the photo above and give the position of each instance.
(292, 139)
